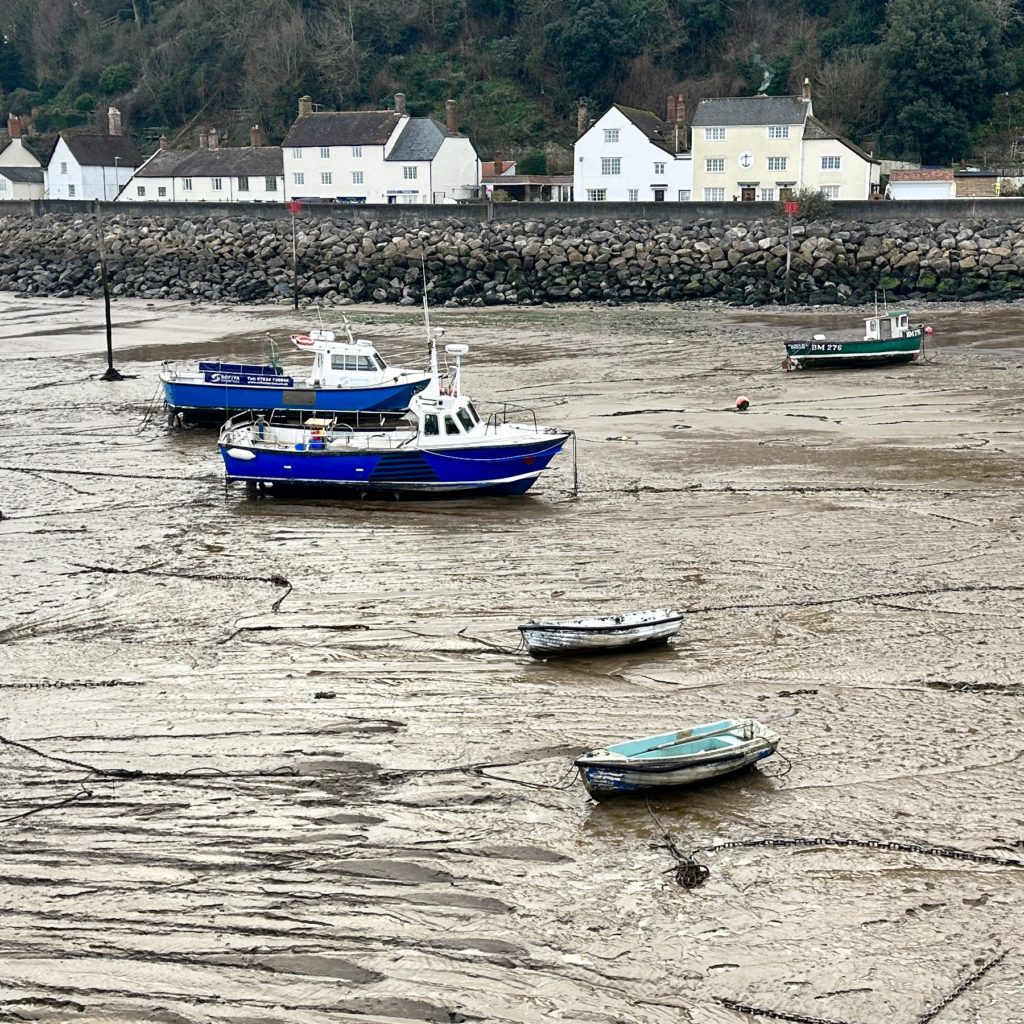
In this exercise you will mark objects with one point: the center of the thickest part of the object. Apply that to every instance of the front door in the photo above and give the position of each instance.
(659, 195)
(747, 193)
(785, 193)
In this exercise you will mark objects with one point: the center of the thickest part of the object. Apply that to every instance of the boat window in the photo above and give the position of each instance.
(473, 412)
(352, 362)
(449, 425)
(381, 365)
(430, 424)
(465, 419)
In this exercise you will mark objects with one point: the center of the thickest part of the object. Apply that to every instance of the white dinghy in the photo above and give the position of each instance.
(601, 633)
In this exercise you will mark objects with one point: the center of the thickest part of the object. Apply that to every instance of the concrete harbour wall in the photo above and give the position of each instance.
(495, 254)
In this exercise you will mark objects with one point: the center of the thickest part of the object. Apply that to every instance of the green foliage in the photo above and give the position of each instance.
(814, 205)
(115, 78)
(85, 103)
(12, 69)
(587, 45)
(940, 61)
(534, 161)
(499, 195)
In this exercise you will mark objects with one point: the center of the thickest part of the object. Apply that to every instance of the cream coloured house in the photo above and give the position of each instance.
(762, 148)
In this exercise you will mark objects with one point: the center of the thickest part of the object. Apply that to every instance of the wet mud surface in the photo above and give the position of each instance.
(268, 761)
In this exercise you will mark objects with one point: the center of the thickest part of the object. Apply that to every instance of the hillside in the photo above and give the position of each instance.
(936, 80)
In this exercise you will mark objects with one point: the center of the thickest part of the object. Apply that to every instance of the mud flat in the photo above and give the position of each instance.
(242, 740)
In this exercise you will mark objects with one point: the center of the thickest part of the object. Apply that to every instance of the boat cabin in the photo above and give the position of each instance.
(889, 325)
(449, 416)
(340, 363)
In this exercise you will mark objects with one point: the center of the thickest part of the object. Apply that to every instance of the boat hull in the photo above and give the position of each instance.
(496, 469)
(674, 760)
(808, 354)
(227, 399)
(556, 640)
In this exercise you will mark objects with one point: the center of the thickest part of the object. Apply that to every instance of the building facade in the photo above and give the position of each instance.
(210, 174)
(21, 170)
(90, 166)
(378, 156)
(631, 155)
(763, 148)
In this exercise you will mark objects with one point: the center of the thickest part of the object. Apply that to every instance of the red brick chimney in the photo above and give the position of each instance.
(451, 116)
(255, 136)
(675, 111)
(14, 126)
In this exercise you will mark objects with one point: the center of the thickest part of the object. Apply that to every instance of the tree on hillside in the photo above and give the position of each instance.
(940, 65)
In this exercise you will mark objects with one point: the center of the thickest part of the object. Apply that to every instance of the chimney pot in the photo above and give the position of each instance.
(451, 116)
(255, 136)
(806, 92)
(399, 102)
(305, 105)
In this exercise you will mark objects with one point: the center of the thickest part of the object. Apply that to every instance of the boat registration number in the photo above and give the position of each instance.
(825, 346)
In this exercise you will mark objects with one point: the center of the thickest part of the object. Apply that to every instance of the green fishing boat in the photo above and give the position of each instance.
(888, 338)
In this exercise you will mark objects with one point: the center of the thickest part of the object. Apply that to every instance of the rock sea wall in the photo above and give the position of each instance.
(367, 258)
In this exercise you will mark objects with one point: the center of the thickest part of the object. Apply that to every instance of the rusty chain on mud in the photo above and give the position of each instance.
(802, 1018)
(690, 873)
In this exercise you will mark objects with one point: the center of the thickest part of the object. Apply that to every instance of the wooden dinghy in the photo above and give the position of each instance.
(680, 758)
(601, 632)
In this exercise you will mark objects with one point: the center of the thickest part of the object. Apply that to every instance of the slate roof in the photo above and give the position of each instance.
(421, 138)
(814, 129)
(231, 161)
(100, 150)
(745, 110)
(655, 128)
(921, 174)
(23, 175)
(344, 128)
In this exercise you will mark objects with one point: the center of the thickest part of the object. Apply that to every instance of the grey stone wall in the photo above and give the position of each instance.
(519, 253)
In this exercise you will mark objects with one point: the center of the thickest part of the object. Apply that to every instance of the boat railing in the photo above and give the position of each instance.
(500, 416)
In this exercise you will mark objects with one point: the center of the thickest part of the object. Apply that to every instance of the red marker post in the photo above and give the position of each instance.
(789, 208)
(293, 206)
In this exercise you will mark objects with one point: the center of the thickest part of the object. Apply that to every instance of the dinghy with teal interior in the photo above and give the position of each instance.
(347, 377)
(443, 446)
(888, 338)
(672, 759)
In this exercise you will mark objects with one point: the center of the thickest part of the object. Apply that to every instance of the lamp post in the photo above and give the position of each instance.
(117, 180)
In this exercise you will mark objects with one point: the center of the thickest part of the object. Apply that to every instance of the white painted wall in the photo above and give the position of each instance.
(11, 190)
(174, 190)
(66, 179)
(16, 154)
(637, 158)
(855, 176)
(454, 171)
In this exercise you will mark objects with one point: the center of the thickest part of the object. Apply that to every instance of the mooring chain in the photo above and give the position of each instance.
(950, 852)
(925, 1018)
(802, 1018)
(760, 1011)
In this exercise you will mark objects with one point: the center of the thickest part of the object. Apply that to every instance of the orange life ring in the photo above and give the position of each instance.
(302, 339)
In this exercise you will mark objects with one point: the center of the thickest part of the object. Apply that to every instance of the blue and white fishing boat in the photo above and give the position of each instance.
(671, 759)
(443, 446)
(347, 377)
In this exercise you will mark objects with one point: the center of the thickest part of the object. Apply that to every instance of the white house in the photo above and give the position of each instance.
(210, 174)
(921, 183)
(762, 148)
(90, 166)
(632, 155)
(21, 171)
(378, 156)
